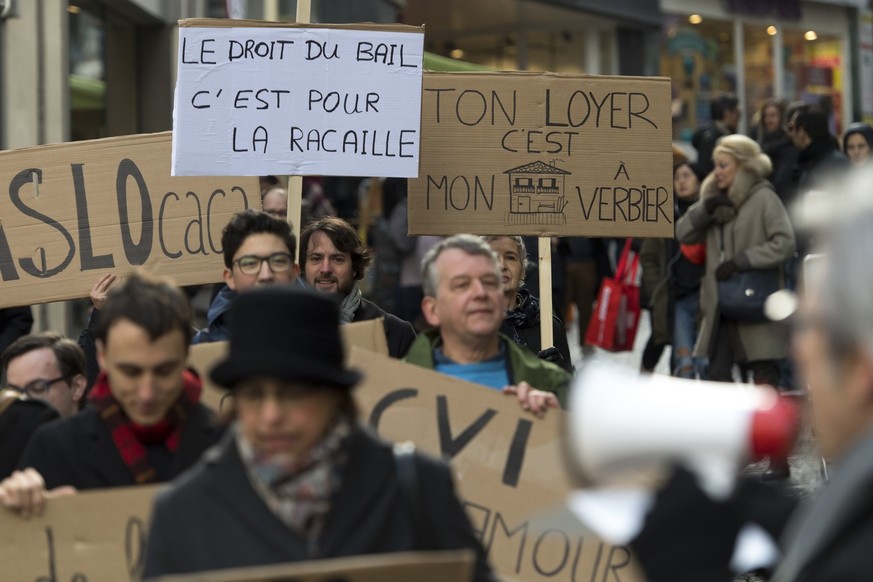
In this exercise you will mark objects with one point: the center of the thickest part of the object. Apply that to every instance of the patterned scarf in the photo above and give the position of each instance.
(350, 304)
(297, 489)
(131, 439)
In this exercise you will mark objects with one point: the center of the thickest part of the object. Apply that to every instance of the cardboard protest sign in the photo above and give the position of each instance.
(508, 463)
(366, 335)
(91, 536)
(77, 210)
(544, 154)
(276, 98)
(456, 566)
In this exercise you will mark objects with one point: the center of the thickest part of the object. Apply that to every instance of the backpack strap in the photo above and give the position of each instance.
(410, 495)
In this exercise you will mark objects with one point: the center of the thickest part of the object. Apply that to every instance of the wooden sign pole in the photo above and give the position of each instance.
(295, 183)
(547, 339)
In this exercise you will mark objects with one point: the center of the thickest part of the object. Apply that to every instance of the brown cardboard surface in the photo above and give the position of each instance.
(456, 566)
(100, 536)
(366, 335)
(77, 210)
(544, 154)
(508, 467)
(95, 535)
(508, 464)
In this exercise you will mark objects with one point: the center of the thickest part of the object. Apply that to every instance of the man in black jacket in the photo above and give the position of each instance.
(725, 113)
(145, 423)
(334, 259)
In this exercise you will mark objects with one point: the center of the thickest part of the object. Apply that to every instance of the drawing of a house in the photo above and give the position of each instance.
(536, 188)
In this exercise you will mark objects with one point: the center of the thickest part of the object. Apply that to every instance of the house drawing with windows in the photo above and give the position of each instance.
(537, 189)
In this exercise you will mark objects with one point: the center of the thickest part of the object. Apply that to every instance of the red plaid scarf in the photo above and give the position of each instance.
(131, 439)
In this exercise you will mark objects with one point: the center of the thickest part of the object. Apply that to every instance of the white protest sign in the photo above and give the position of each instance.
(255, 99)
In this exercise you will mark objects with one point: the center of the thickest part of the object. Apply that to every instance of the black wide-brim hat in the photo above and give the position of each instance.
(287, 333)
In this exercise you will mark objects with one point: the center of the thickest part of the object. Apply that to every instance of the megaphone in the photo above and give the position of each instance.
(627, 431)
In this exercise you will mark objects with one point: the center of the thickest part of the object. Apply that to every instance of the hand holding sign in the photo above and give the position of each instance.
(100, 290)
(24, 492)
(530, 399)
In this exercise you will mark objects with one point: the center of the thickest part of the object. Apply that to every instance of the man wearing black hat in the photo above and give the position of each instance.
(297, 478)
(334, 259)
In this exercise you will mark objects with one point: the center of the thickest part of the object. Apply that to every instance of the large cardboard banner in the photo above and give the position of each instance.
(454, 566)
(92, 536)
(544, 154)
(77, 210)
(256, 98)
(509, 467)
(100, 536)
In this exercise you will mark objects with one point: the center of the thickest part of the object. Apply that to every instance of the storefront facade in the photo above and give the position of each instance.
(570, 36)
(787, 49)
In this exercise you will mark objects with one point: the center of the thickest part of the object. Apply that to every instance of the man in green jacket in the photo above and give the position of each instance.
(464, 301)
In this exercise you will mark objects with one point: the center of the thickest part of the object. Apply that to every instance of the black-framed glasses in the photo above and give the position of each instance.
(251, 264)
(36, 388)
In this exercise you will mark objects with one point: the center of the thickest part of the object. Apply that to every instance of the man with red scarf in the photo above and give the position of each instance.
(145, 423)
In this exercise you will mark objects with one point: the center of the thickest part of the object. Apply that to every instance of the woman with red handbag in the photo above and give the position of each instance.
(748, 237)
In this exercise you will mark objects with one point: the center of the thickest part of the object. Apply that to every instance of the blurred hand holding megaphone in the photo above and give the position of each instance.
(626, 433)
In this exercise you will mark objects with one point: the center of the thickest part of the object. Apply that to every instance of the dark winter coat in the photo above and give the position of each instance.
(522, 325)
(667, 276)
(759, 236)
(79, 450)
(217, 318)
(783, 155)
(704, 141)
(17, 424)
(399, 333)
(830, 539)
(212, 518)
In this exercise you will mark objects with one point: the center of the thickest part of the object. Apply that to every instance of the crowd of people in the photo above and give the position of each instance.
(306, 480)
(291, 474)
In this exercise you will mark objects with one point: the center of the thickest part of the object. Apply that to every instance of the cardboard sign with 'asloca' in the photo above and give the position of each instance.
(509, 465)
(75, 211)
(261, 98)
(544, 154)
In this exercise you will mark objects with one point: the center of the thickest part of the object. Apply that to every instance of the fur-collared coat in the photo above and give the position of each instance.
(757, 234)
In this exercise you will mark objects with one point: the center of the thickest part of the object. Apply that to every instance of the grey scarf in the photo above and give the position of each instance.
(350, 305)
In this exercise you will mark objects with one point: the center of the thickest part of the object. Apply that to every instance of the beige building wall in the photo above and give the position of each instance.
(35, 98)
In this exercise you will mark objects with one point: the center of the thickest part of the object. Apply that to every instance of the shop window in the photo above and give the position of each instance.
(87, 75)
(813, 73)
(700, 60)
(758, 67)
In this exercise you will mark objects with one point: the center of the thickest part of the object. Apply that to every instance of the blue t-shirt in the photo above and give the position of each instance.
(491, 372)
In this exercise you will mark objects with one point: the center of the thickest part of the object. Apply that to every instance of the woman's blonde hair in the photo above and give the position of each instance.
(746, 152)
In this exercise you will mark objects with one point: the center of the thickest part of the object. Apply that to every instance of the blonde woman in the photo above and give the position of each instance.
(745, 227)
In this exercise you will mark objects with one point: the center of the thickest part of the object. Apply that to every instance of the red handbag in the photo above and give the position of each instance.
(616, 316)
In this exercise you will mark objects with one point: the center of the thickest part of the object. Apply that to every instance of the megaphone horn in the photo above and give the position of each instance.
(626, 430)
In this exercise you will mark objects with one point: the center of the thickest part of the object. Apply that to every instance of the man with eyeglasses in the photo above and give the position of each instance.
(258, 250)
(145, 423)
(334, 259)
(45, 379)
(47, 367)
